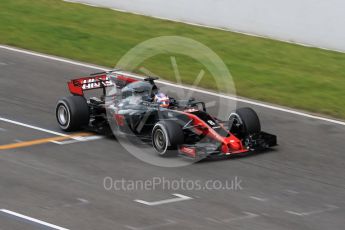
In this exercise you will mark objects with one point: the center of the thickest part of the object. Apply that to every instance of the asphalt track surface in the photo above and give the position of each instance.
(298, 185)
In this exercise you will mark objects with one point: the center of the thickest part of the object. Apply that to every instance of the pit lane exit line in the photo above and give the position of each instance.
(76, 137)
(33, 127)
(41, 141)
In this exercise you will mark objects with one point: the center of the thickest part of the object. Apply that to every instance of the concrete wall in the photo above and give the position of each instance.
(319, 23)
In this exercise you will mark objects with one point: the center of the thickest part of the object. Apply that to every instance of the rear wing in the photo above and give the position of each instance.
(98, 81)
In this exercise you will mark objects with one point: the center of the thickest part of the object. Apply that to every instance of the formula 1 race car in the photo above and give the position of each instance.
(133, 107)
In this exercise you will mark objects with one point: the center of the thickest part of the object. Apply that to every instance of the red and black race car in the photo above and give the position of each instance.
(132, 107)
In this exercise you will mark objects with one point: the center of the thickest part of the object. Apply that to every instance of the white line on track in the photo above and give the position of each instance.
(33, 220)
(180, 197)
(78, 139)
(328, 208)
(166, 223)
(179, 86)
(46, 56)
(292, 191)
(258, 198)
(80, 202)
(36, 128)
(247, 215)
(75, 139)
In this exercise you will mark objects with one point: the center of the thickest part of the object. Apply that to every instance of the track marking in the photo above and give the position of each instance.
(327, 209)
(40, 141)
(81, 139)
(258, 198)
(180, 197)
(32, 220)
(83, 201)
(247, 215)
(34, 127)
(80, 202)
(292, 191)
(50, 57)
(166, 223)
(281, 109)
(76, 138)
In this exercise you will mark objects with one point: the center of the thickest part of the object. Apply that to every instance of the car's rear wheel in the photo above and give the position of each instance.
(72, 113)
(244, 122)
(166, 136)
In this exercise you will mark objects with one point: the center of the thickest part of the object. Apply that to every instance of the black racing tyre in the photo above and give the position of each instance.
(245, 121)
(72, 113)
(166, 136)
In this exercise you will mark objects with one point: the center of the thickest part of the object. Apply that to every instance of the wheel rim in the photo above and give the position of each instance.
(63, 115)
(159, 140)
(235, 120)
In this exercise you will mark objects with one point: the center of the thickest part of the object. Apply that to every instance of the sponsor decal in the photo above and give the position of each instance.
(94, 83)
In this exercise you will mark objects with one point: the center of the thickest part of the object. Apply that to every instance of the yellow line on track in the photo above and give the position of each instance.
(42, 141)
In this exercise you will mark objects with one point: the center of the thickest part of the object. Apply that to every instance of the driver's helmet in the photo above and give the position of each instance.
(162, 100)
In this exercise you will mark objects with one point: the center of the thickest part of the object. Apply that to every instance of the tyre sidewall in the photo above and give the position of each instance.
(250, 121)
(68, 109)
(78, 112)
(174, 137)
(161, 127)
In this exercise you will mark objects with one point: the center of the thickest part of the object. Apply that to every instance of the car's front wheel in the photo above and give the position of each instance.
(244, 122)
(166, 136)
